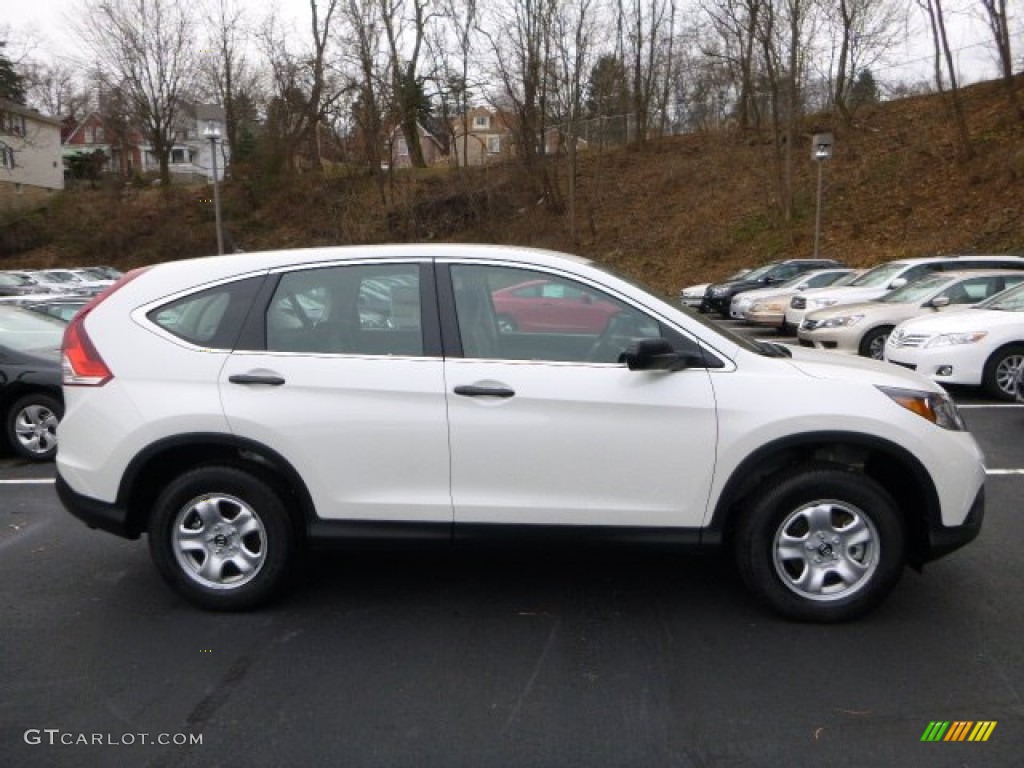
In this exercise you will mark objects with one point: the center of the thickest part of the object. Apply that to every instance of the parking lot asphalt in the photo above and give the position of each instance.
(471, 659)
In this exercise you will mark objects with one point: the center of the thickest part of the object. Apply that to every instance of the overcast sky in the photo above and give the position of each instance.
(49, 23)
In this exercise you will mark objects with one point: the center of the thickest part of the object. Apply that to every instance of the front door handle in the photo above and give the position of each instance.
(469, 390)
(252, 378)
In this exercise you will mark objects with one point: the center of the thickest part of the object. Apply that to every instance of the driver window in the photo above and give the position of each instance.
(505, 313)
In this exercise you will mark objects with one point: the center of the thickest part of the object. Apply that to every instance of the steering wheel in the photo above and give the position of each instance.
(608, 346)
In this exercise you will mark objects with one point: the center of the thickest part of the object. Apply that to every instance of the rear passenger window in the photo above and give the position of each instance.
(211, 318)
(353, 310)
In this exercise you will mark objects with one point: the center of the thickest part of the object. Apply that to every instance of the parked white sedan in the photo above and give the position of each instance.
(980, 346)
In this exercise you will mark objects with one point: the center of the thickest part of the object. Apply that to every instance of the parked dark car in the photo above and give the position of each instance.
(31, 402)
(718, 296)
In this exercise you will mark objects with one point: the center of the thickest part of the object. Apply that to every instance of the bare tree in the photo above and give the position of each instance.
(461, 16)
(56, 89)
(645, 26)
(225, 67)
(999, 24)
(407, 86)
(736, 22)
(575, 35)
(301, 91)
(521, 41)
(866, 29)
(148, 49)
(936, 17)
(360, 47)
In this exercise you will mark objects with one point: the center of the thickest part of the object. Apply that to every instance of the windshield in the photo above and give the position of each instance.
(1011, 300)
(847, 279)
(880, 275)
(58, 277)
(919, 290)
(754, 274)
(28, 331)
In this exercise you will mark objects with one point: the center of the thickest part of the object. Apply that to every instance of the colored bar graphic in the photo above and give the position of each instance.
(958, 730)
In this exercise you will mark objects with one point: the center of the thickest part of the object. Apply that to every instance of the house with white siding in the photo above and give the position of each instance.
(30, 156)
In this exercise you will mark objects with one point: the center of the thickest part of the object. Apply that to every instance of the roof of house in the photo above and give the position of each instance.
(21, 109)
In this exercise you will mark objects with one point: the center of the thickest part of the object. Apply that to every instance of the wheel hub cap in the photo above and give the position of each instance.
(219, 541)
(826, 550)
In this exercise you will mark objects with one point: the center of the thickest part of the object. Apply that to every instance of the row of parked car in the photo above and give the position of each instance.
(35, 307)
(911, 312)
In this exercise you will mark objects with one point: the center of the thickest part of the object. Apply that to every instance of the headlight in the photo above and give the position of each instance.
(948, 339)
(840, 322)
(819, 303)
(936, 407)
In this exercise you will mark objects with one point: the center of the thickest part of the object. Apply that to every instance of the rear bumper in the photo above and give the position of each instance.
(944, 539)
(112, 518)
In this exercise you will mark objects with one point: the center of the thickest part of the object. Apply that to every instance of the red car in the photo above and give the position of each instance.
(543, 306)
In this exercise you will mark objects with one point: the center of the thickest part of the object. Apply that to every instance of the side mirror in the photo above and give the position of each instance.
(939, 302)
(899, 282)
(655, 355)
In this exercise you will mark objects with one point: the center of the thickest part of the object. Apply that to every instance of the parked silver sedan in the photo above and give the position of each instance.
(863, 328)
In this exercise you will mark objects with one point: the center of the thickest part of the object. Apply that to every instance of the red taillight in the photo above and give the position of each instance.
(81, 363)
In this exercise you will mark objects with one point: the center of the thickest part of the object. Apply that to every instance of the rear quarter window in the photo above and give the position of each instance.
(209, 318)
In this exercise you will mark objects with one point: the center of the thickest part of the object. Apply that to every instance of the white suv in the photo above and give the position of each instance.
(237, 408)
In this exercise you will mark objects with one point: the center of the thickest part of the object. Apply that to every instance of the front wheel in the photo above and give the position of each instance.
(222, 538)
(999, 376)
(873, 343)
(822, 545)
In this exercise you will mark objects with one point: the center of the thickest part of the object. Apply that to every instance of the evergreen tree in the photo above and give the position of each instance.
(12, 85)
(864, 90)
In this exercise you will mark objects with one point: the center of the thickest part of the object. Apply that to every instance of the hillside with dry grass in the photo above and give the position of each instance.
(677, 210)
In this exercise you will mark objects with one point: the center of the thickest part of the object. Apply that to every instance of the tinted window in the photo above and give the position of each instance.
(355, 310)
(210, 318)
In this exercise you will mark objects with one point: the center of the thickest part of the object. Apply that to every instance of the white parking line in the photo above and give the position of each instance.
(29, 481)
(965, 406)
(1004, 471)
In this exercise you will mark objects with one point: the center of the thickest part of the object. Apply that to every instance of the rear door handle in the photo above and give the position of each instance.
(468, 390)
(252, 378)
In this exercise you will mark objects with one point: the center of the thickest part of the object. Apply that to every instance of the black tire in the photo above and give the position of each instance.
(31, 426)
(873, 343)
(1000, 369)
(225, 518)
(833, 577)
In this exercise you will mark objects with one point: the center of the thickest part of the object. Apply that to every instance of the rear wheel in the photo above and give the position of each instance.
(822, 545)
(32, 426)
(1001, 370)
(222, 538)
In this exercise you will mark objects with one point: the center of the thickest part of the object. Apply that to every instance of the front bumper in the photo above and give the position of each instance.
(112, 518)
(941, 539)
(719, 304)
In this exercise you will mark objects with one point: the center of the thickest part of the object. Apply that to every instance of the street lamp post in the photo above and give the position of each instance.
(212, 133)
(821, 150)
